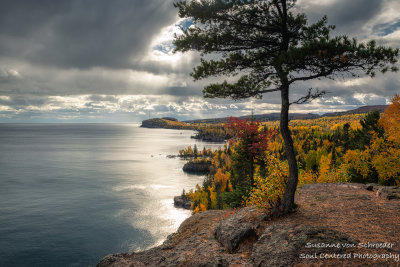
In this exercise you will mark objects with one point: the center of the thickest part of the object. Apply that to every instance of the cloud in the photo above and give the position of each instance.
(100, 60)
(348, 16)
(52, 81)
(385, 29)
(81, 33)
(9, 75)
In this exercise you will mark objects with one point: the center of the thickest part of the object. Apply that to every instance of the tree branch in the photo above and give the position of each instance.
(269, 90)
(309, 97)
(311, 77)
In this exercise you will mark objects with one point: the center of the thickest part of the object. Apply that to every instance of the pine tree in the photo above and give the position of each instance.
(270, 48)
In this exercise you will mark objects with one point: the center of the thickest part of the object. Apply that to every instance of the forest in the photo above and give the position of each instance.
(251, 169)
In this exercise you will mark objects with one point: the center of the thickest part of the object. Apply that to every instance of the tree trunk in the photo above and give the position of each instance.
(291, 185)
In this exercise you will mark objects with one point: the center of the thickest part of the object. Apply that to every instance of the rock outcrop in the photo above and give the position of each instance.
(210, 239)
(197, 167)
(234, 230)
(332, 220)
(386, 192)
(182, 202)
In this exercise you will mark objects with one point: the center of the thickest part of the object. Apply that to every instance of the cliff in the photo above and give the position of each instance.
(334, 225)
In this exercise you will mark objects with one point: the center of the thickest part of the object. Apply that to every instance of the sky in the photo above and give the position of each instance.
(113, 61)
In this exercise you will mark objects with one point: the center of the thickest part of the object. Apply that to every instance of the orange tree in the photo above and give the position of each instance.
(391, 120)
(270, 48)
(386, 149)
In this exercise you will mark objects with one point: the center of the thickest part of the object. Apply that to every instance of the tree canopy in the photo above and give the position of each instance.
(268, 47)
(260, 40)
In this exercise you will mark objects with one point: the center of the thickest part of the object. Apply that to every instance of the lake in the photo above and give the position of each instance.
(73, 193)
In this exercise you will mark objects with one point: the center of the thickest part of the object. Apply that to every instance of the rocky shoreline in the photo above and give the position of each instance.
(210, 138)
(328, 214)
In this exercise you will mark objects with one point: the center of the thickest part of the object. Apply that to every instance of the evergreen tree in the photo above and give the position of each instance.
(270, 48)
(369, 124)
(346, 137)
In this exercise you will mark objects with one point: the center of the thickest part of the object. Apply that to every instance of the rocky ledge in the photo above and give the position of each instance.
(201, 167)
(387, 192)
(328, 229)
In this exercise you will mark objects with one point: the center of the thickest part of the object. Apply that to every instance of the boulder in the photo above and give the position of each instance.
(234, 230)
(388, 192)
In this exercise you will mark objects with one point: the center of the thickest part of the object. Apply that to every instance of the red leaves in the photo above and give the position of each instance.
(255, 140)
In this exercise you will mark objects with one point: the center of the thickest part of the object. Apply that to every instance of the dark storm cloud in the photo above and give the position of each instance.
(351, 15)
(59, 82)
(81, 33)
(183, 91)
(348, 16)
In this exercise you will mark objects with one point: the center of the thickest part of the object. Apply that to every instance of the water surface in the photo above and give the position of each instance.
(72, 193)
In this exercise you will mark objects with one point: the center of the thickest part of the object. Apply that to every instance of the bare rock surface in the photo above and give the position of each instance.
(282, 245)
(234, 230)
(341, 214)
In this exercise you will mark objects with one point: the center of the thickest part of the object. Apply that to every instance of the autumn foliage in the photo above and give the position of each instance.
(390, 121)
(249, 135)
(251, 169)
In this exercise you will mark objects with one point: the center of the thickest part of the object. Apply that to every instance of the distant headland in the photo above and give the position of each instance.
(166, 123)
(173, 123)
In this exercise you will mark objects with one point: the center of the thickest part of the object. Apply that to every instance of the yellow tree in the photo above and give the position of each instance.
(390, 120)
(386, 151)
